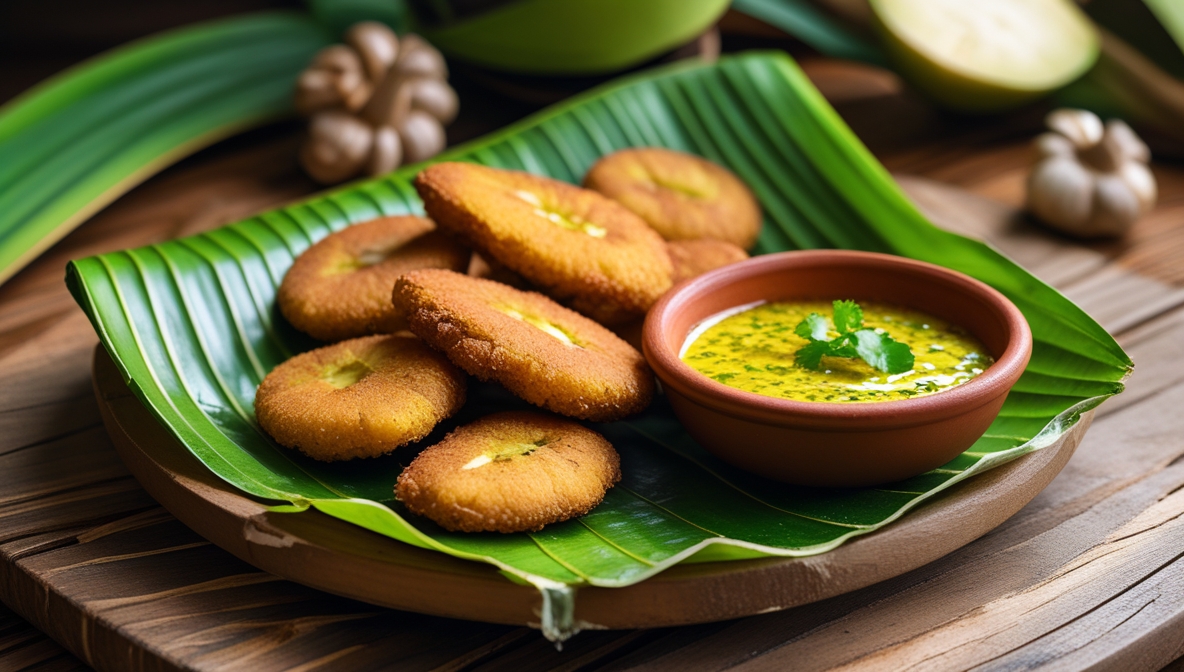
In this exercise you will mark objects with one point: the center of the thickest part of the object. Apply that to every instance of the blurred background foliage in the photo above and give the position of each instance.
(1137, 74)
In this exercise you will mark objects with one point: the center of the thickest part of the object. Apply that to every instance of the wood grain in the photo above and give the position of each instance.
(1082, 577)
(24, 647)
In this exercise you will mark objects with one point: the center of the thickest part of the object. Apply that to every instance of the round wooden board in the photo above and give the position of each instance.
(328, 554)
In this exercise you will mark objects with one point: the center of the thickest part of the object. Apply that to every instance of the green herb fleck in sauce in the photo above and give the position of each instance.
(757, 350)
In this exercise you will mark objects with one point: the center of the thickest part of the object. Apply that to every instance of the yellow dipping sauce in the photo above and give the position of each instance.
(752, 349)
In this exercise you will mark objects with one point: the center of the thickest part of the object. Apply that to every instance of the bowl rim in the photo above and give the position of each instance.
(986, 387)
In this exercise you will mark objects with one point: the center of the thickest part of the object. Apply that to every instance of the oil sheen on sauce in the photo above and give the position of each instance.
(751, 348)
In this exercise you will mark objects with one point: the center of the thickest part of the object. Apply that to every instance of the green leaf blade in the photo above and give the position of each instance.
(79, 140)
(802, 20)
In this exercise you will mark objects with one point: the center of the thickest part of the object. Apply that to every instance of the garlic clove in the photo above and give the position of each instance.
(433, 96)
(338, 59)
(1141, 182)
(357, 96)
(1054, 144)
(422, 135)
(1133, 148)
(331, 81)
(417, 58)
(390, 103)
(1105, 157)
(1115, 208)
(1060, 192)
(387, 152)
(376, 44)
(1082, 127)
(316, 90)
(397, 95)
(337, 147)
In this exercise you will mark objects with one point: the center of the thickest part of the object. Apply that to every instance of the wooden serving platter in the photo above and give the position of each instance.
(328, 554)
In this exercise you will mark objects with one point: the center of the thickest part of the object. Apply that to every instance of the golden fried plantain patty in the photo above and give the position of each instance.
(544, 353)
(573, 244)
(359, 398)
(510, 472)
(684, 197)
(695, 257)
(341, 286)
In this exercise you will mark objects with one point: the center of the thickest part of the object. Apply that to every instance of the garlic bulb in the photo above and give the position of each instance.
(1092, 180)
(373, 103)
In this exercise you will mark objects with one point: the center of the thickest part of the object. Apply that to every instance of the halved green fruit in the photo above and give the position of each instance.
(986, 56)
(574, 37)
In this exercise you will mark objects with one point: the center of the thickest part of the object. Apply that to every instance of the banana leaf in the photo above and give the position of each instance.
(1153, 27)
(1171, 17)
(814, 27)
(193, 326)
(76, 142)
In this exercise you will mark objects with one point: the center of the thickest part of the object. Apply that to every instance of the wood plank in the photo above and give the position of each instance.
(23, 647)
(1064, 616)
(154, 580)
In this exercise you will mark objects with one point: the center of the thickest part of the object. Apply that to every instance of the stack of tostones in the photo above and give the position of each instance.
(513, 471)
(573, 244)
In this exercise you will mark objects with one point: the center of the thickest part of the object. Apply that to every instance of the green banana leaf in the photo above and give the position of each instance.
(193, 326)
(76, 142)
(803, 20)
(1171, 17)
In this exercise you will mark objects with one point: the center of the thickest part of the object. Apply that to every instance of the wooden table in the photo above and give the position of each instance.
(1091, 573)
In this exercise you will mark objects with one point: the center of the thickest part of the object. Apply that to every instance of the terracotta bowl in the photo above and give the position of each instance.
(832, 444)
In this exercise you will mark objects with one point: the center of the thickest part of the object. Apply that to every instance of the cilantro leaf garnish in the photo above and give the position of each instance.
(809, 356)
(813, 328)
(879, 350)
(882, 352)
(848, 316)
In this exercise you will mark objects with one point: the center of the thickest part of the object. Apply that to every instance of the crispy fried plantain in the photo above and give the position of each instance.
(510, 472)
(573, 244)
(682, 196)
(359, 398)
(341, 286)
(546, 354)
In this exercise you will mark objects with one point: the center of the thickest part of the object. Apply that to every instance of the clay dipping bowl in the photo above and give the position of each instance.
(837, 444)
